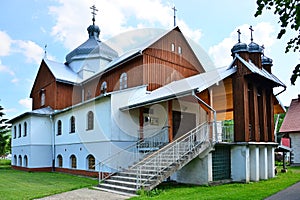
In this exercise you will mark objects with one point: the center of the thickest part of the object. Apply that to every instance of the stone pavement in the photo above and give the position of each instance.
(290, 193)
(86, 194)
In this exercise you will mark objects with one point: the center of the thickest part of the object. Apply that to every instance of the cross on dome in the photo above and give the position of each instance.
(239, 35)
(94, 10)
(174, 9)
(251, 29)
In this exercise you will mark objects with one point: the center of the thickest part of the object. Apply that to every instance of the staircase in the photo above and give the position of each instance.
(159, 165)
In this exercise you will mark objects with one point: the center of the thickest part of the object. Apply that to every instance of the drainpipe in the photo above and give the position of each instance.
(213, 110)
(53, 142)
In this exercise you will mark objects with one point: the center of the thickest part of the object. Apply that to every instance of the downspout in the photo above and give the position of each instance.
(53, 143)
(210, 108)
(275, 128)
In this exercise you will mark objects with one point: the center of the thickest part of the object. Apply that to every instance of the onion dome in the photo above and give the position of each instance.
(239, 47)
(254, 48)
(266, 61)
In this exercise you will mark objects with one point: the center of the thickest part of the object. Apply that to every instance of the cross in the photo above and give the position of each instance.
(251, 29)
(174, 15)
(239, 35)
(45, 56)
(94, 9)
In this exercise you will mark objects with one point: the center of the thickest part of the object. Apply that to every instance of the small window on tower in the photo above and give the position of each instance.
(123, 81)
(172, 47)
(103, 88)
(43, 97)
(179, 50)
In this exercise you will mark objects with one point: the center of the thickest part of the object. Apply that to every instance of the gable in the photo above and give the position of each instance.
(292, 118)
(43, 78)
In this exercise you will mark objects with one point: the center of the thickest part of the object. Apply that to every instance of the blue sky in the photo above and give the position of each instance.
(27, 25)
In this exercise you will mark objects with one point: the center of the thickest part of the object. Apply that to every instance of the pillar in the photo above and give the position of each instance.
(240, 164)
(263, 163)
(271, 162)
(170, 120)
(254, 163)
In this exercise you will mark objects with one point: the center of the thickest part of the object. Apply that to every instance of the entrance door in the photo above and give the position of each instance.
(182, 123)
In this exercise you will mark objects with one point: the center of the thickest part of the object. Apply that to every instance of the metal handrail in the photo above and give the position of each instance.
(189, 142)
(135, 150)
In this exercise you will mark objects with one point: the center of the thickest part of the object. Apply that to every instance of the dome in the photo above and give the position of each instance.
(92, 48)
(266, 61)
(239, 47)
(254, 48)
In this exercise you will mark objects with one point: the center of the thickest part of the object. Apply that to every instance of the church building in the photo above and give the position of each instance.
(158, 110)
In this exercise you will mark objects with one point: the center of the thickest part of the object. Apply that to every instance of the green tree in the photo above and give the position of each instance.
(4, 134)
(288, 12)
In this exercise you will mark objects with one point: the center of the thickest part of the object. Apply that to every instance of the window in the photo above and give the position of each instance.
(91, 162)
(58, 127)
(179, 50)
(172, 47)
(72, 124)
(103, 88)
(43, 97)
(20, 130)
(20, 160)
(25, 161)
(15, 160)
(123, 81)
(90, 120)
(15, 132)
(89, 95)
(59, 161)
(73, 161)
(25, 129)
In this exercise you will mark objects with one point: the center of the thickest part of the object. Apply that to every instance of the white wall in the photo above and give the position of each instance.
(295, 145)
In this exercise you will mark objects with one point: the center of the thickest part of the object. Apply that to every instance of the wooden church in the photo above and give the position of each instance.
(155, 111)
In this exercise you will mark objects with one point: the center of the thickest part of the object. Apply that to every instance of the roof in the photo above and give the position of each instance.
(62, 72)
(181, 87)
(39, 112)
(291, 121)
(261, 72)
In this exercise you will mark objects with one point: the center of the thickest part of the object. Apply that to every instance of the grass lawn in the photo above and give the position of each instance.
(257, 190)
(16, 184)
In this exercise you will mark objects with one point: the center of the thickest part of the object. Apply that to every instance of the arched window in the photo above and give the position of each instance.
(172, 47)
(179, 50)
(91, 162)
(15, 160)
(89, 95)
(25, 161)
(103, 88)
(43, 97)
(72, 124)
(59, 161)
(20, 130)
(20, 160)
(73, 161)
(123, 81)
(15, 132)
(58, 127)
(90, 120)
(25, 129)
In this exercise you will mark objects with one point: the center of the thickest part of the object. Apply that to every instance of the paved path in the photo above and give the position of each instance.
(291, 193)
(86, 194)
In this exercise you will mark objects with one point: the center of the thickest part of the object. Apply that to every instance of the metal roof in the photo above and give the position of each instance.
(262, 72)
(62, 72)
(181, 87)
(39, 112)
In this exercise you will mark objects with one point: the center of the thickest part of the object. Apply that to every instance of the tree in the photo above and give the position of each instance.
(4, 134)
(288, 12)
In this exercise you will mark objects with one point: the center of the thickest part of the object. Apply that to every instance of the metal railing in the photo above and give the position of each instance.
(126, 157)
(191, 142)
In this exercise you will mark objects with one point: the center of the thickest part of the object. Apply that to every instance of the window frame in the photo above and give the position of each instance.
(25, 129)
(73, 161)
(72, 124)
(123, 81)
(43, 97)
(91, 162)
(25, 161)
(59, 127)
(90, 120)
(20, 160)
(103, 88)
(59, 159)
(20, 131)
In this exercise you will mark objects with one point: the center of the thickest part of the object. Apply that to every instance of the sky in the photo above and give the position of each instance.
(26, 26)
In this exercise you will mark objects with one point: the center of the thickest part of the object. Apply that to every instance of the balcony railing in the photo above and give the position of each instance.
(225, 132)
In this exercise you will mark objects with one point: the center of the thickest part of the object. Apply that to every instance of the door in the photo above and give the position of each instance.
(182, 123)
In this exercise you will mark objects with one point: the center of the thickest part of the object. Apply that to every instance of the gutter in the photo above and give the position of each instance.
(212, 109)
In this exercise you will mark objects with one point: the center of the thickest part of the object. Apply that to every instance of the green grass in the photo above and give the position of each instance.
(257, 190)
(16, 184)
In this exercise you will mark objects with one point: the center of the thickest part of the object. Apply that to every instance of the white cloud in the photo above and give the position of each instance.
(32, 51)
(263, 35)
(5, 46)
(6, 69)
(27, 102)
(113, 18)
